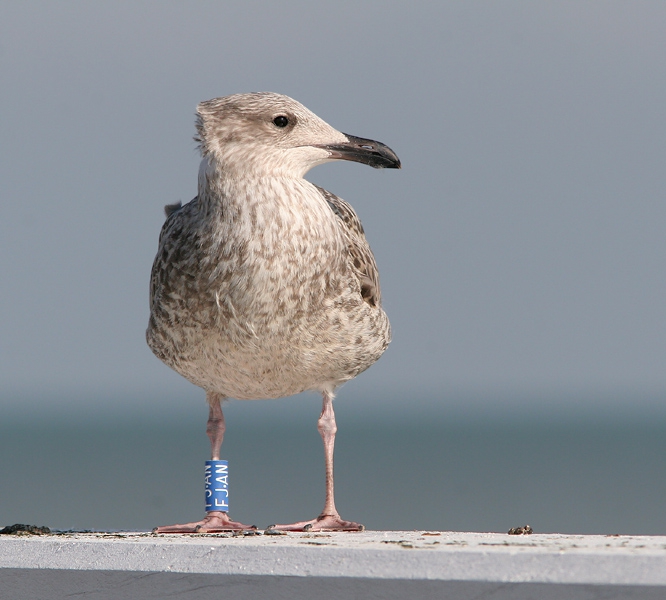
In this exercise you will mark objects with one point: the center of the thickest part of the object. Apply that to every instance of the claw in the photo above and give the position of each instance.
(322, 523)
(214, 522)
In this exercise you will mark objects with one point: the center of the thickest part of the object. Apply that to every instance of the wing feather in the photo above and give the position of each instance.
(360, 254)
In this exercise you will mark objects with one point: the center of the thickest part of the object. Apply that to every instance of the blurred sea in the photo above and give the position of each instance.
(422, 472)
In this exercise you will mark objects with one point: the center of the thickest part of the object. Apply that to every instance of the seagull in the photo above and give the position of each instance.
(264, 285)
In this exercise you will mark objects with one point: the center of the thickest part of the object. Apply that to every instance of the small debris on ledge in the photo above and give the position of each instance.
(524, 530)
(21, 529)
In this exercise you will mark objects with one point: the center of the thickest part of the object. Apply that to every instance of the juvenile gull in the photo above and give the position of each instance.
(264, 285)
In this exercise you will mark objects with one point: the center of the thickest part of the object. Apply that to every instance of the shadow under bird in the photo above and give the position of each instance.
(264, 285)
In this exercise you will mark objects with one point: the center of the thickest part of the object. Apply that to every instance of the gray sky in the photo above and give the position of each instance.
(521, 247)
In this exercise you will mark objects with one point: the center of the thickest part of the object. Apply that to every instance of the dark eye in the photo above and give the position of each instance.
(280, 121)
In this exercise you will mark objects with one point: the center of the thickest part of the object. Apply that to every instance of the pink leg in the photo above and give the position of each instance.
(215, 521)
(329, 519)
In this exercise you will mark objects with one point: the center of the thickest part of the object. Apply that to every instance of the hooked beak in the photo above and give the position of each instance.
(368, 152)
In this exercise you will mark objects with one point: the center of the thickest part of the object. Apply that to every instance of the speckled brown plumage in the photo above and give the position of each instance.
(264, 284)
(265, 289)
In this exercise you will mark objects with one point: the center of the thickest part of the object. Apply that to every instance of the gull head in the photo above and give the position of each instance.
(267, 134)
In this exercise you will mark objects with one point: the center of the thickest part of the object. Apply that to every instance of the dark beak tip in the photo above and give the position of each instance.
(369, 152)
(394, 164)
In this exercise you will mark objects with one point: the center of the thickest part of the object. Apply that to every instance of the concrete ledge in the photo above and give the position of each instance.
(344, 565)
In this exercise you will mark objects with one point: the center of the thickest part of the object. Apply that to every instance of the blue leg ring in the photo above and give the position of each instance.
(217, 485)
